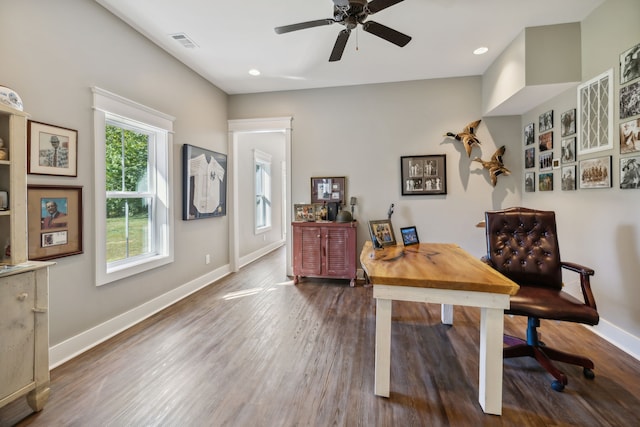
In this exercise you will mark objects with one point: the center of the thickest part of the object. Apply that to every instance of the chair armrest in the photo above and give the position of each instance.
(487, 260)
(585, 283)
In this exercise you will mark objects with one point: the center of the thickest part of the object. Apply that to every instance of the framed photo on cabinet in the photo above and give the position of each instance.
(328, 189)
(423, 175)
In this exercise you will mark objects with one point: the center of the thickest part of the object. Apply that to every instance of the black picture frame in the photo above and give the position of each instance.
(46, 157)
(568, 122)
(529, 134)
(568, 150)
(409, 235)
(529, 182)
(423, 174)
(204, 183)
(630, 172)
(330, 189)
(545, 121)
(530, 158)
(630, 64)
(568, 178)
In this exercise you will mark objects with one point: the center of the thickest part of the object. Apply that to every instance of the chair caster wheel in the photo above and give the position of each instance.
(588, 373)
(557, 385)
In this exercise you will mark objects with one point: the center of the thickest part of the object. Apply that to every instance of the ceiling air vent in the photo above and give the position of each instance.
(184, 40)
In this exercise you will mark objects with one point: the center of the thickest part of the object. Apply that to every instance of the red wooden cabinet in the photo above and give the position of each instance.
(324, 249)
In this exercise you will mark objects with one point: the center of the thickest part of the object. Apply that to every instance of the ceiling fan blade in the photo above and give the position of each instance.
(378, 5)
(303, 25)
(341, 43)
(389, 34)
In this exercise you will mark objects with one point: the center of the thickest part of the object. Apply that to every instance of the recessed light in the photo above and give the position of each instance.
(481, 50)
(254, 72)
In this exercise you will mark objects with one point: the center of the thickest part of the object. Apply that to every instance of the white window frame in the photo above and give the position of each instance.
(262, 158)
(108, 106)
(595, 114)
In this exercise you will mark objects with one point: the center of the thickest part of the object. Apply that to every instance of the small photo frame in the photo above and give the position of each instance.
(530, 158)
(54, 221)
(630, 136)
(630, 64)
(545, 121)
(546, 141)
(382, 232)
(568, 150)
(630, 172)
(568, 122)
(409, 235)
(204, 183)
(546, 161)
(51, 150)
(529, 134)
(568, 178)
(328, 189)
(545, 181)
(595, 173)
(423, 175)
(304, 212)
(529, 182)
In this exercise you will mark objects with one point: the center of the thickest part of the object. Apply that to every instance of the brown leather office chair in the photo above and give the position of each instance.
(522, 244)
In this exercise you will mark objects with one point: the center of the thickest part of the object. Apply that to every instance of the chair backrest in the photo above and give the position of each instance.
(522, 244)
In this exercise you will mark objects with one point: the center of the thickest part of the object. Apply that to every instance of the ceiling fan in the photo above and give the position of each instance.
(350, 13)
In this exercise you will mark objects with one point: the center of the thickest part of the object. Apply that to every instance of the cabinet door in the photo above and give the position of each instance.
(339, 252)
(17, 300)
(307, 251)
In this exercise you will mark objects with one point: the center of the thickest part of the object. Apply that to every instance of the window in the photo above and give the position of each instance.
(262, 163)
(595, 114)
(132, 182)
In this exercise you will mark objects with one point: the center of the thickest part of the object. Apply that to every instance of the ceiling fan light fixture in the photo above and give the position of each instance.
(254, 72)
(481, 50)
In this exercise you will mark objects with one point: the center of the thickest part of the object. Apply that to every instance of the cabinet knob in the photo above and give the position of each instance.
(318, 236)
(23, 296)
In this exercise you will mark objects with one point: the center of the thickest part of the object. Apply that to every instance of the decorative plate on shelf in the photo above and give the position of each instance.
(9, 97)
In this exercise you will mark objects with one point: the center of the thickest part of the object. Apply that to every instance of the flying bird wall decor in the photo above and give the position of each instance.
(495, 166)
(467, 136)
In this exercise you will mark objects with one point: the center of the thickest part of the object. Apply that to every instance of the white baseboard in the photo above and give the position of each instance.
(248, 259)
(620, 338)
(72, 347)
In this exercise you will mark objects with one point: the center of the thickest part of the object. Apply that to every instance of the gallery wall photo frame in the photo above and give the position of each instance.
(594, 116)
(204, 183)
(568, 122)
(54, 221)
(51, 150)
(595, 173)
(568, 178)
(423, 174)
(529, 134)
(545, 181)
(328, 189)
(529, 182)
(630, 136)
(381, 232)
(545, 121)
(630, 100)
(568, 150)
(545, 141)
(630, 64)
(630, 172)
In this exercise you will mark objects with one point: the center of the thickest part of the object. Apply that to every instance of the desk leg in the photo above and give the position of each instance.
(490, 387)
(446, 314)
(383, 347)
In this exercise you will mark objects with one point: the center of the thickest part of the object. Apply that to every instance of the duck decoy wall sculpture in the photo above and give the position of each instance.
(495, 166)
(467, 136)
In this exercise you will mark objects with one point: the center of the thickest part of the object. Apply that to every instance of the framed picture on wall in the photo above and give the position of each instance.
(630, 64)
(630, 100)
(54, 221)
(545, 181)
(530, 157)
(568, 178)
(630, 136)
(204, 183)
(630, 172)
(51, 150)
(546, 141)
(328, 189)
(423, 175)
(546, 161)
(595, 173)
(545, 121)
(568, 150)
(529, 134)
(529, 182)
(568, 122)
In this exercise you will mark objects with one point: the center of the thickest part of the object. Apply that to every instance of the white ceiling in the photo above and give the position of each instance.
(235, 36)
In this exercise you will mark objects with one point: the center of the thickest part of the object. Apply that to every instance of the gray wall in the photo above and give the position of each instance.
(600, 227)
(54, 52)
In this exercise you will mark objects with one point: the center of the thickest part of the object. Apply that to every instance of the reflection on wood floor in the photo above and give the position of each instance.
(254, 350)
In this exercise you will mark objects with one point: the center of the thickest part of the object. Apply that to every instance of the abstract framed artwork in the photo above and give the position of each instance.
(51, 150)
(423, 175)
(204, 183)
(595, 173)
(54, 221)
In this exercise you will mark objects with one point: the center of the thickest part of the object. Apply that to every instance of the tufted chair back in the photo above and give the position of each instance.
(522, 244)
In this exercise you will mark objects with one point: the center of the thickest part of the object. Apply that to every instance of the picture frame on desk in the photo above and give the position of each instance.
(51, 150)
(54, 221)
(409, 235)
(382, 233)
(423, 174)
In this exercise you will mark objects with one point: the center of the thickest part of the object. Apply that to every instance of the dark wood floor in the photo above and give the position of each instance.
(254, 350)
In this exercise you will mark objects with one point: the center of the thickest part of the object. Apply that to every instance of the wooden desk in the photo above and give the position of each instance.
(440, 273)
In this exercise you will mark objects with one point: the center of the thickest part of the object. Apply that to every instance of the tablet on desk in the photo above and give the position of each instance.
(409, 235)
